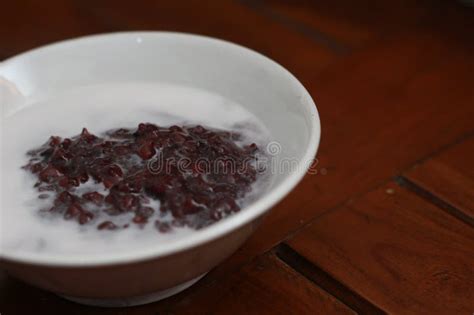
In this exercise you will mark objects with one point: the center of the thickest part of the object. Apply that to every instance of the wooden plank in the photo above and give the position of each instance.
(449, 176)
(266, 286)
(224, 19)
(326, 18)
(398, 251)
(382, 110)
(325, 281)
(356, 25)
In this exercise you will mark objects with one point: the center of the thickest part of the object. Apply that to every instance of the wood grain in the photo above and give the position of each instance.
(382, 110)
(450, 176)
(356, 25)
(266, 286)
(224, 19)
(396, 250)
(325, 281)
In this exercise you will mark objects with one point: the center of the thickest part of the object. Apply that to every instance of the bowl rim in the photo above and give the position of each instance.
(214, 231)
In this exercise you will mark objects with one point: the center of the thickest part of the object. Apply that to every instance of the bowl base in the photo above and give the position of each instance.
(135, 300)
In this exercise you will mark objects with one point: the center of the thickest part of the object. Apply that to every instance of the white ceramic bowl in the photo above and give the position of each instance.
(262, 86)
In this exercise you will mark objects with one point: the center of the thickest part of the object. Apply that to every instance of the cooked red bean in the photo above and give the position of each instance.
(197, 174)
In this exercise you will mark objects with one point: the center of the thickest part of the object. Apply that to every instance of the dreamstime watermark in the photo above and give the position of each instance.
(270, 160)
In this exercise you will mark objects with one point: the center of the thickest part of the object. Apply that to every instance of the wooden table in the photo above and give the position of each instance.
(387, 224)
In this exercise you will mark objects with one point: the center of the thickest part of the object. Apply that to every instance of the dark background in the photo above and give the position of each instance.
(387, 224)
